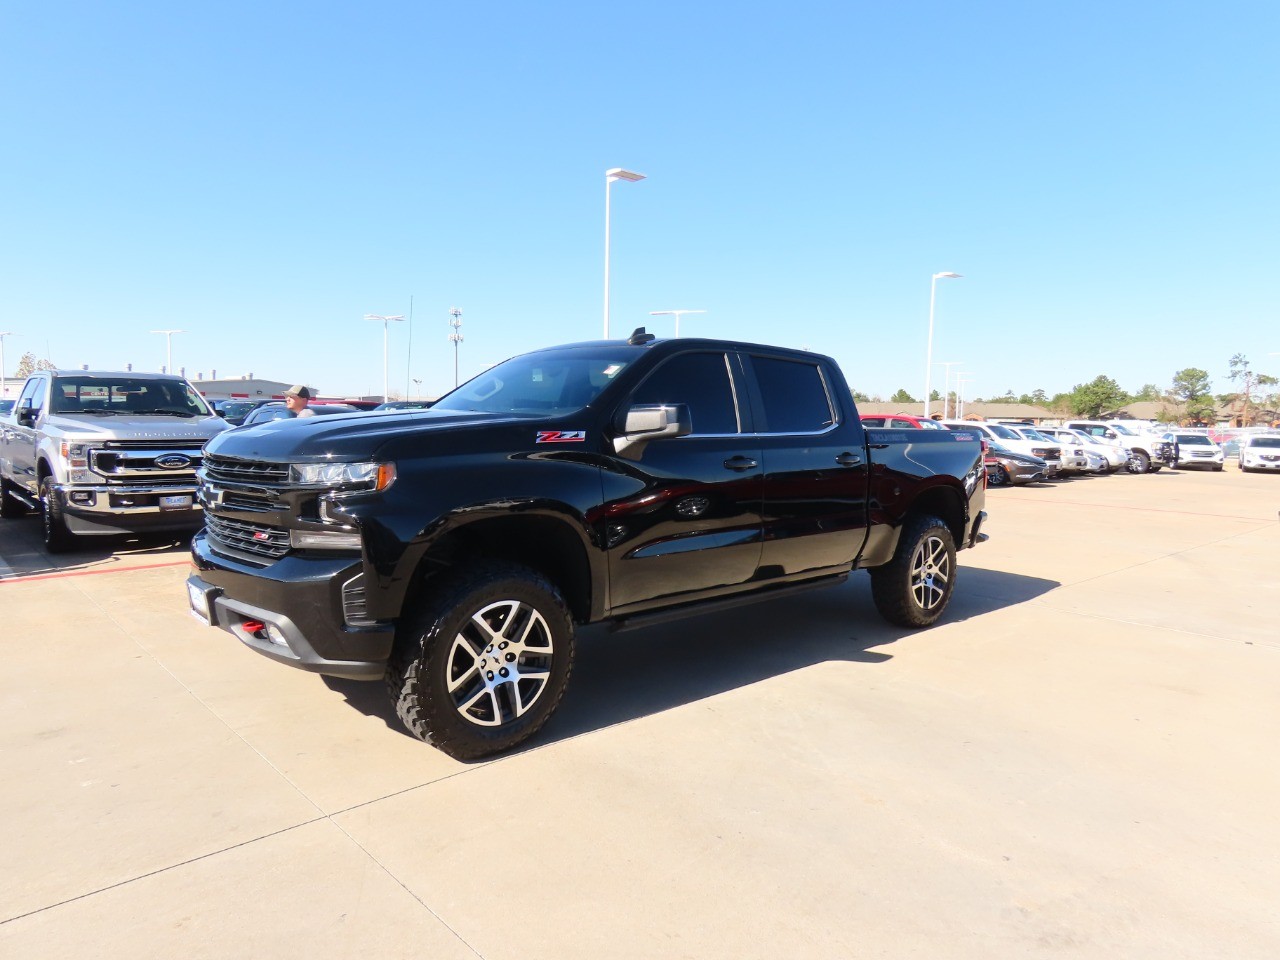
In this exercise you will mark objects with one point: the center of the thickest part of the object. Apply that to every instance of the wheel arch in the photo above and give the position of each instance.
(546, 543)
(947, 504)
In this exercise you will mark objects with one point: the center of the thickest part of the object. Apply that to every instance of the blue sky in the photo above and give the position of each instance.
(263, 175)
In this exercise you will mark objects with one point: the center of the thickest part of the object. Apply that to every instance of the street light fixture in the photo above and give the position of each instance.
(673, 313)
(456, 339)
(946, 382)
(417, 388)
(615, 173)
(928, 361)
(385, 321)
(168, 337)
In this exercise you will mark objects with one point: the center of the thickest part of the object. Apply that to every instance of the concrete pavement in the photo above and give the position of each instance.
(1076, 763)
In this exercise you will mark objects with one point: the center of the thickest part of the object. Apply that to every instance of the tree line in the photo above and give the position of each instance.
(1189, 395)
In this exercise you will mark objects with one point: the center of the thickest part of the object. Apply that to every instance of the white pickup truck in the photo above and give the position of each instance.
(104, 453)
(1148, 451)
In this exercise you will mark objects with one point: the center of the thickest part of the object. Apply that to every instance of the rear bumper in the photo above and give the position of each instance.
(297, 611)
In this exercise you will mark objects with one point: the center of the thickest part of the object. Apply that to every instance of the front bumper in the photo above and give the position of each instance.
(1257, 463)
(106, 508)
(299, 611)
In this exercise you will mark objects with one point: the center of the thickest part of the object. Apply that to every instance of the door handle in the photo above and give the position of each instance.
(848, 460)
(740, 463)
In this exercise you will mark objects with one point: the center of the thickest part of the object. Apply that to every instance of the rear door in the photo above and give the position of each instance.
(816, 474)
(683, 519)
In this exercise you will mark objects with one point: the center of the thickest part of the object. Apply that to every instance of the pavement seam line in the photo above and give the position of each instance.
(325, 816)
(160, 870)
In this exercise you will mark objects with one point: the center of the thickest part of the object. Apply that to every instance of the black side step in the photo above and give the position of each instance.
(637, 620)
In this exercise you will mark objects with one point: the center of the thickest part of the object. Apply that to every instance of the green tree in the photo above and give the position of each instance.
(1092, 399)
(1149, 392)
(1247, 383)
(1192, 388)
(902, 397)
(860, 397)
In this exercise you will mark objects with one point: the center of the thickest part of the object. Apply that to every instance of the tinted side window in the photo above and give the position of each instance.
(33, 391)
(700, 380)
(794, 395)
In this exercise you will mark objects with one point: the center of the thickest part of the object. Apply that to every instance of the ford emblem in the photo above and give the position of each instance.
(173, 461)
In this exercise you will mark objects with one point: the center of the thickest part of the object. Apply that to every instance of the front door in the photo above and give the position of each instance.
(682, 519)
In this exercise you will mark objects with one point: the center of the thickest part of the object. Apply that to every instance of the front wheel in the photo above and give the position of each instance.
(57, 538)
(913, 589)
(1139, 462)
(484, 662)
(997, 477)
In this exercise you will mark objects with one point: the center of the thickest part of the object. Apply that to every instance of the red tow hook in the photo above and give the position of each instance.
(253, 626)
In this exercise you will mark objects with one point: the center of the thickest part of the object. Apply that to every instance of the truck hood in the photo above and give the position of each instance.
(122, 427)
(344, 436)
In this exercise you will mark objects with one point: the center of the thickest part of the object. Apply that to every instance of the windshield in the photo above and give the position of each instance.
(1004, 433)
(1194, 440)
(1269, 442)
(1123, 430)
(551, 382)
(126, 396)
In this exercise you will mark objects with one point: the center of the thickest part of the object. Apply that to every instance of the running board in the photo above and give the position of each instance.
(638, 620)
(21, 496)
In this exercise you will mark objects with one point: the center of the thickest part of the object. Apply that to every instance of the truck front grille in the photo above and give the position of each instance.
(147, 461)
(261, 541)
(235, 470)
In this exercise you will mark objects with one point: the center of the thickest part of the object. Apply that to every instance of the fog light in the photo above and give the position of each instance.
(84, 498)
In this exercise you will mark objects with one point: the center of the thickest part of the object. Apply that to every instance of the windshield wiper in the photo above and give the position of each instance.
(93, 411)
(161, 413)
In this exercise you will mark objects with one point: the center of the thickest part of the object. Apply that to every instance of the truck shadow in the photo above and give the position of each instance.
(22, 552)
(624, 676)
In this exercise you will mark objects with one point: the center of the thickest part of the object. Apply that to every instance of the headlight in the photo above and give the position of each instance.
(343, 476)
(75, 453)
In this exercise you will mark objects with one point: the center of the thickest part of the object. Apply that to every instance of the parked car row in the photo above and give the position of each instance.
(1019, 452)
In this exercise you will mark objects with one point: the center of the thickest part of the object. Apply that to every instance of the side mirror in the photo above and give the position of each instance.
(25, 417)
(1110, 434)
(221, 413)
(651, 422)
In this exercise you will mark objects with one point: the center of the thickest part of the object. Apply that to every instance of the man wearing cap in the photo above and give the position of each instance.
(296, 399)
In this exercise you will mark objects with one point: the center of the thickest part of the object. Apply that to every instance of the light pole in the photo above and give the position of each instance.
(928, 360)
(960, 382)
(4, 387)
(673, 313)
(615, 173)
(946, 383)
(456, 339)
(417, 389)
(386, 321)
(168, 337)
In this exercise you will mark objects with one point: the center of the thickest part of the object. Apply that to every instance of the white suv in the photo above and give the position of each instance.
(1260, 452)
(1049, 452)
(1196, 450)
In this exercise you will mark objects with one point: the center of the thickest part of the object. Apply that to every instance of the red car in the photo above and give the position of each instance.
(899, 421)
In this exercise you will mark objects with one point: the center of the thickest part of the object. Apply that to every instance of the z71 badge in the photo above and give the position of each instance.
(562, 436)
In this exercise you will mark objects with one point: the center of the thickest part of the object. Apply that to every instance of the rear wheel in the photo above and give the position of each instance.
(484, 662)
(997, 477)
(57, 538)
(913, 589)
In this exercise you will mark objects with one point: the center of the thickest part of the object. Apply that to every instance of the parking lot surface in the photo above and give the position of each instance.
(1077, 762)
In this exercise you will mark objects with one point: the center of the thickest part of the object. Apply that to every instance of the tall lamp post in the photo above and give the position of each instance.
(386, 322)
(3, 385)
(673, 313)
(615, 173)
(928, 364)
(946, 383)
(455, 338)
(168, 337)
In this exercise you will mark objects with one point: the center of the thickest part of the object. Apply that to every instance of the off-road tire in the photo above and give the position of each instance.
(492, 615)
(10, 506)
(57, 538)
(913, 589)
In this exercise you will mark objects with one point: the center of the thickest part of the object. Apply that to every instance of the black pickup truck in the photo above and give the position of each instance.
(453, 550)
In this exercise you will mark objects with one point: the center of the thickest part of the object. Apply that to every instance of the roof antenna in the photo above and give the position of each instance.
(639, 337)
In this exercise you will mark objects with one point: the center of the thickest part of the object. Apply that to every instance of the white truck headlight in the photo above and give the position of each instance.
(350, 477)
